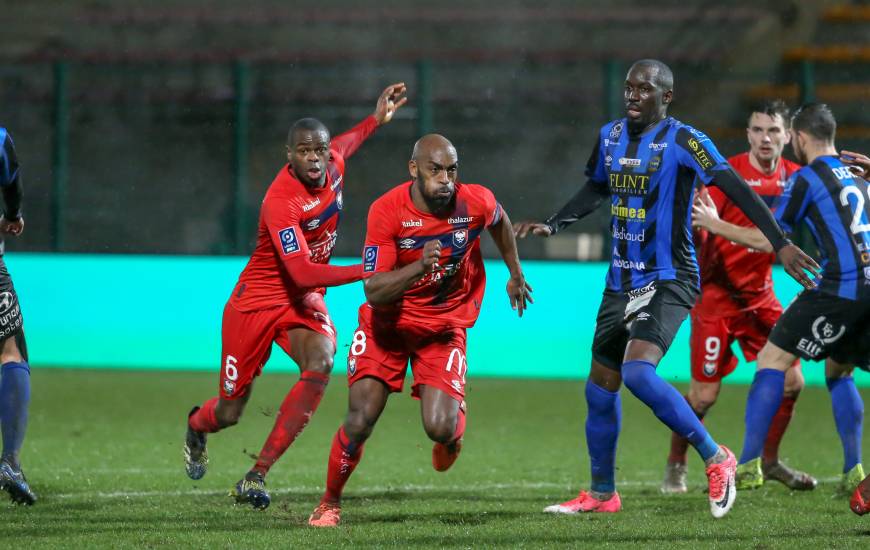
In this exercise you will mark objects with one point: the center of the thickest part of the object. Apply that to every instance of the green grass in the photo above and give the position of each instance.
(104, 455)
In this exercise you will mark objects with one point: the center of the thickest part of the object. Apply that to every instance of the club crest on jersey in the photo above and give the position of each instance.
(616, 131)
(229, 387)
(370, 258)
(460, 238)
(339, 200)
(407, 243)
(654, 163)
(351, 366)
(710, 369)
(289, 242)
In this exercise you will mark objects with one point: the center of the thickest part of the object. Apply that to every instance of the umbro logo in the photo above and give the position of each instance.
(5, 301)
(407, 243)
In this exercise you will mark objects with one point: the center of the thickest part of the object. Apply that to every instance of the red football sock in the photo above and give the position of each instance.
(204, 420)
(343, 458)
(293, 416)
(680, 445)
(777, 429)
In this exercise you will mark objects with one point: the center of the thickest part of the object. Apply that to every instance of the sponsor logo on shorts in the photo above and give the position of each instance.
(6, 301)
(407, 243)
(460, 238)
(825, 332)
(370, 258)
(351, 366)
(810, 347)
(635, 293)
(289, 242)
(229, 387)
(710, 369)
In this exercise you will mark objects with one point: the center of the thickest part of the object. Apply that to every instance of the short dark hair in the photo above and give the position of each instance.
(307, 124)
(771, 108)
(664, 76)
(815, 119)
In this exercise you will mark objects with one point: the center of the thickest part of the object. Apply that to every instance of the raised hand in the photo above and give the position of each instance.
(431, 255)
(522, 229)
(704, 213)
(11, 227)
(391, 100)
(797, 263)
(859, 163)
(519, 292)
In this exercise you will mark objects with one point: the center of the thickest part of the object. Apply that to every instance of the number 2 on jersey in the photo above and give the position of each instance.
(856, 225)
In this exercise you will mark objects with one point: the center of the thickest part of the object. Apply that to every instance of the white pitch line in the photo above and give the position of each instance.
(360, 491)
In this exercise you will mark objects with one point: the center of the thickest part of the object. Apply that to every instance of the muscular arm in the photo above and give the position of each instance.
(705, 215)
(518, 289)
(751, 204)
(307, 274)
(387, 287)
(347, 143)
(585, 201)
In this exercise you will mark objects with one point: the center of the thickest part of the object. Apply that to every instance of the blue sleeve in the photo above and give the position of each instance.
(696, 151)
(596, 167)
(8, 162)
(791, 206)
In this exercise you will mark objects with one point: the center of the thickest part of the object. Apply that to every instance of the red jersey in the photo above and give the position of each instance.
(735, 278)
(397, 231)
(296, 219)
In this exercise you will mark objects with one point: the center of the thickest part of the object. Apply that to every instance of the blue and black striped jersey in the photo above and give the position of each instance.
(650, 178)
(8, 160)
(836, 207)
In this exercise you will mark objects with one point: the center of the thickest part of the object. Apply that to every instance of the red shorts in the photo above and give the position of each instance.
(247, 338)
(437, 356)
(710, 342)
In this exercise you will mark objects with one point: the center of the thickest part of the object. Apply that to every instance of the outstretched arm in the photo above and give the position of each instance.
(518, 289)
(585, 201)
(794, 260)
(307, 274)
(705, 216)
(390, 101)
(387, 287)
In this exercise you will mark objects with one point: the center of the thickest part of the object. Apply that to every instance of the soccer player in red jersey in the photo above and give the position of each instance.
(737, 300)
(279, 295)
(423, 251)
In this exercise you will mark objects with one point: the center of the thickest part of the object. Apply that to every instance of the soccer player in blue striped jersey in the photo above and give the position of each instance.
(832, 321)
(647, 164)
(14, 369)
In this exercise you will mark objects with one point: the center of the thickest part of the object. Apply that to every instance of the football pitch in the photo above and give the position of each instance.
(104, 455)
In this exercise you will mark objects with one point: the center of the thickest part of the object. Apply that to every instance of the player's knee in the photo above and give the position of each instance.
(321, 363)
(701, 400)
(358, 425)
(228, 417)
(440, 427)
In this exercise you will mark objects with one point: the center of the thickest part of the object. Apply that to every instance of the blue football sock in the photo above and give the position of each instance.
(849, 417)
(668, 405)
(765, 397)
(603, 422)
(14, 398)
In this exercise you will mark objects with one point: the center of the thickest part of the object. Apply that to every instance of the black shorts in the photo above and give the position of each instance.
(817, 325)
(11, 322)
(653, 313)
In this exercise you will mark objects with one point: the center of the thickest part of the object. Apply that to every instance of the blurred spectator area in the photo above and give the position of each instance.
(156, 128)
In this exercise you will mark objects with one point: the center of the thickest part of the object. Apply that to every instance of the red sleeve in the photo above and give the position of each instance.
(347, 143)
(492, 208)
(281, 218)
(380, 252)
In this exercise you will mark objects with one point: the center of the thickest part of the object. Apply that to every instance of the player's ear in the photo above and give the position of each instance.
(787, 137)
(412, 169)
(667, 97)
(289, 154)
